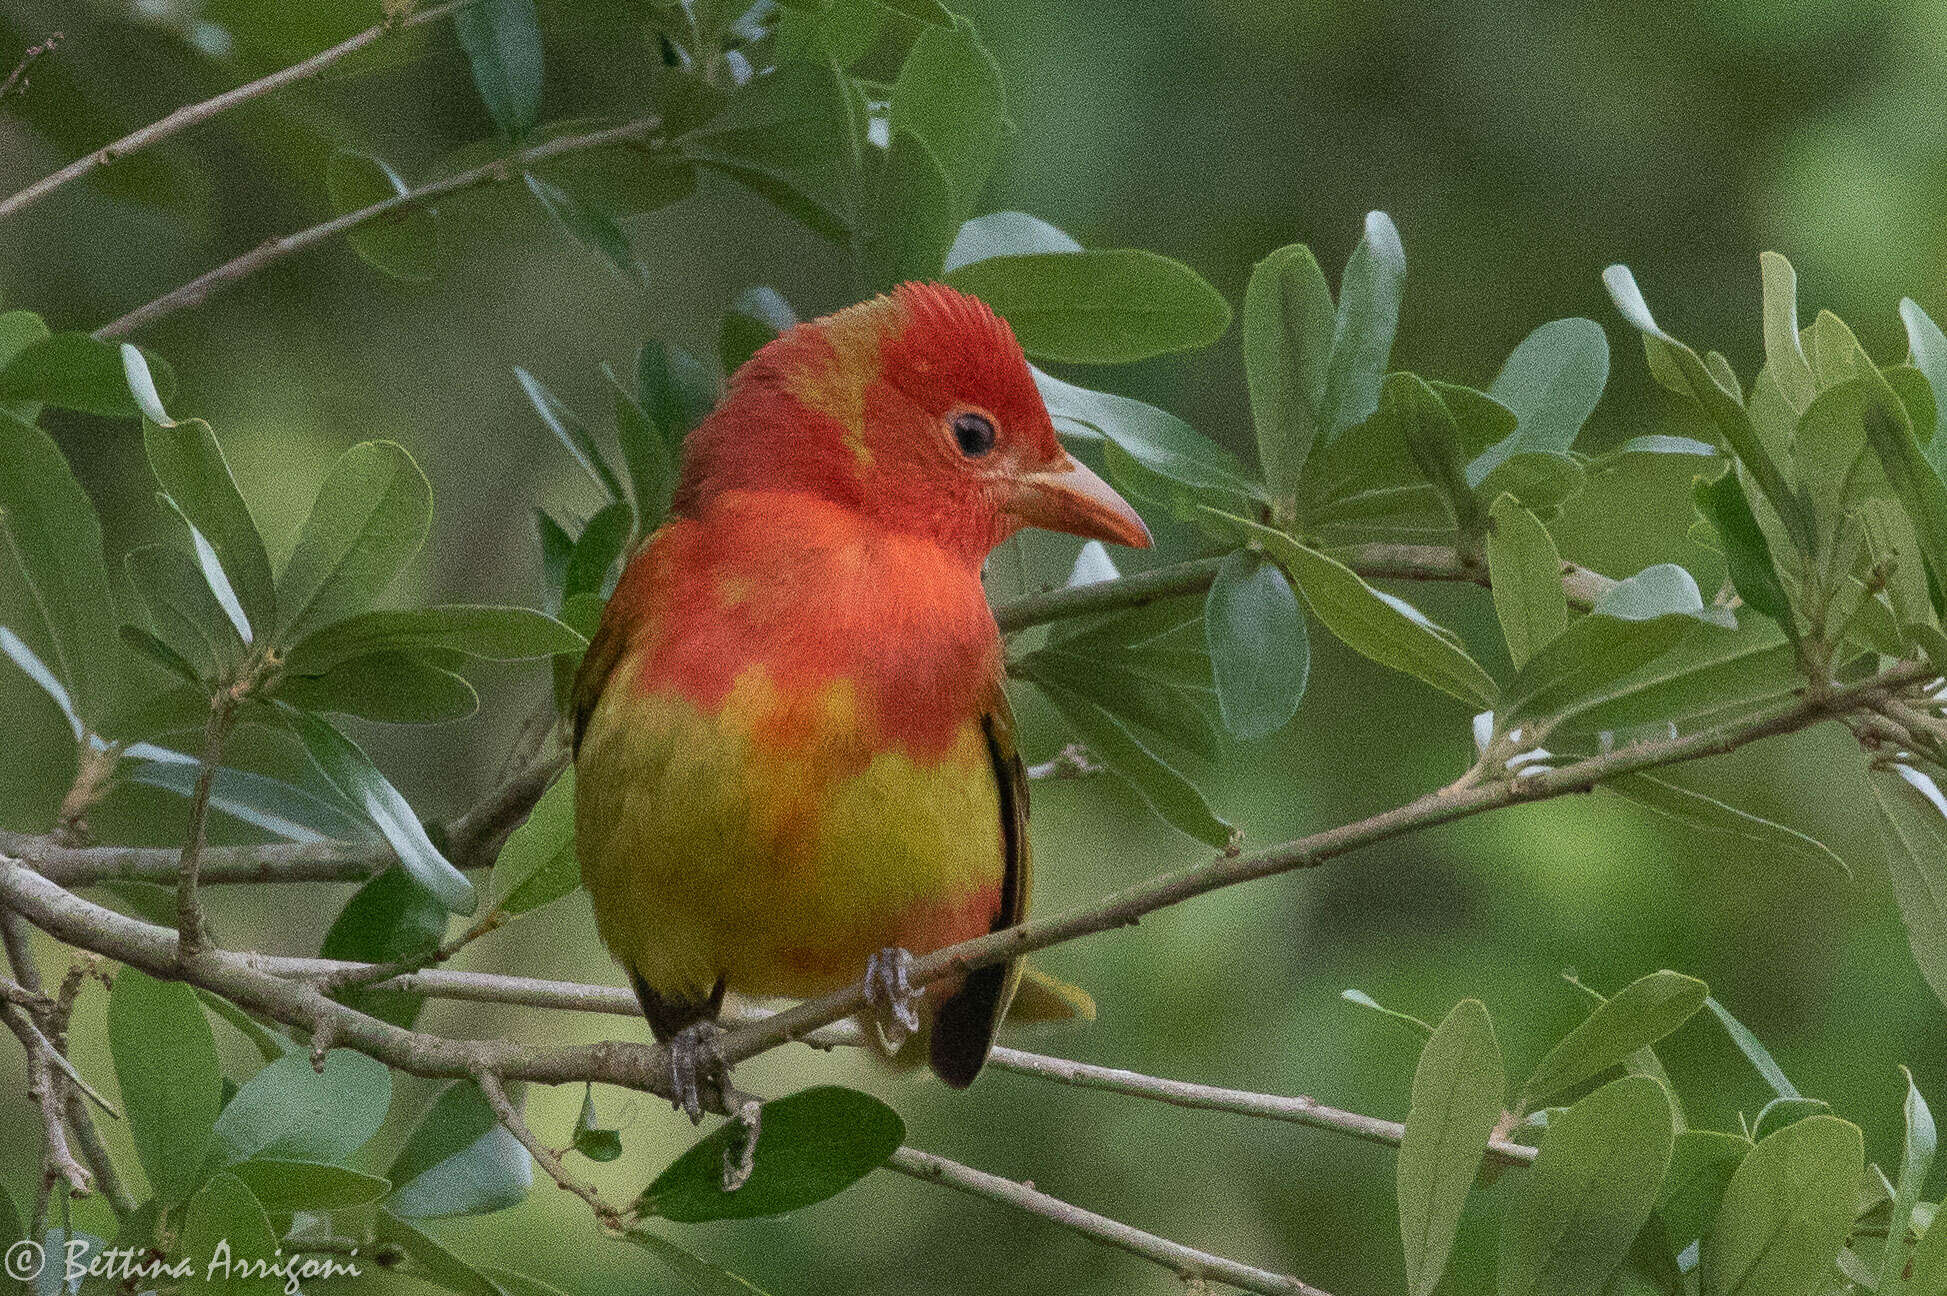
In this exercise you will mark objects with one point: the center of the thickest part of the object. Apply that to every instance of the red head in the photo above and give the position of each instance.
(917, 410)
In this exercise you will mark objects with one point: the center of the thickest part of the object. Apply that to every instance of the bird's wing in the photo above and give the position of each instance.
(591, 677)
(964, 1025)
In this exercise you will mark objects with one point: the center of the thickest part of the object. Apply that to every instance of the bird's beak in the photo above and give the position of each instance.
(1066, 496)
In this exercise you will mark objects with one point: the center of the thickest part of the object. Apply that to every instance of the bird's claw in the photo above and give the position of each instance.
(693, 1055)
(889, 990)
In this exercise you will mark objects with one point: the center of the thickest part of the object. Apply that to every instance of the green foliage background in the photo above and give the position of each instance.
(1519, 147)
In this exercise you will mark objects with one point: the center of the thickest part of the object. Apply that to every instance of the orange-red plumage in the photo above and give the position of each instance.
(793, 747)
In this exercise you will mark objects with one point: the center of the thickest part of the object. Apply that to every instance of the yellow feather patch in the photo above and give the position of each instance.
(767, 844)
(838, 388)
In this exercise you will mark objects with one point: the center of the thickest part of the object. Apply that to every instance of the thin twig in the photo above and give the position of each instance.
(274, 250)
(58, 1164)
(353, 978)
(189, 909)
(16, 82)
(1178, 1093)
(197, 113)
(87, 1139)
(510, 1116)
(1186, 1262)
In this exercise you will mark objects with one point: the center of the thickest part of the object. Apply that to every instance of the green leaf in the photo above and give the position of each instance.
(1174, 798)
(811, 1145)
(165, 1063)
(1288, 324)
(843, 31)
(1362, 331)
(35, 669)
(389, 917)
(1676, 365)
(1114, 683)
(287, 1186)
(910, 219)
(1537, 481)
(346, 766)
(56, 538)
(1911, 824)
(190, 467)
(1589, 1192)
(75, 371)
(225, 1219)
(674, 389)
(432, 1261)
(698, 1275)
(369, 519)
(1526, 571)
(1099, 307)
(1432, 436)
(1458, 1088)
(601, 542)
(1552, 382)
(591, 226)
(388, 687)
(267, 803)
(1701, 1167)
(1914, 482)
(1780, 1112)
(1157, 440)
(537, 865)
(949, 95)
(459, 1160)
(1746, 551)
(1369, 622)
(1916, 1158)
(757, 315)
(590, 1138)
(1701, 676)
(156, 650)
(1927, 348)
(572, 433)
(1003, 233)
(210, 568)
(1783, 355)
(1634, 623)
(404, 245)
(1754, 1052)
(291, 1111)
(1637, 1016)
(795, 136)
(511, 1283)
(1786, 1212)
(502, 40)
(1259, 655)
(479, 630)
(1707, 814)
(269, 1046)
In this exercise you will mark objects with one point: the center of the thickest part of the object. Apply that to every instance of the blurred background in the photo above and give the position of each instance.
(1520, 147)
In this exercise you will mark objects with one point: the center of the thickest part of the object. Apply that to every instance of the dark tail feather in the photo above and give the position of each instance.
(964, 1025)
(669, 1015)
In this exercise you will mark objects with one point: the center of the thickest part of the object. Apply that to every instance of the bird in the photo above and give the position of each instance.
(795, 761)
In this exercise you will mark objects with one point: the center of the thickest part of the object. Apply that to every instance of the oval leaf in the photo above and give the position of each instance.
(811, 1145)
(1259, 656)
(1638, 1015)
(1098, 307)
(369, 518)
(1458, 1089)
(165, 1063)
(1786, 1212)
(1594, 1181)
(404, 245)
(291, 1111)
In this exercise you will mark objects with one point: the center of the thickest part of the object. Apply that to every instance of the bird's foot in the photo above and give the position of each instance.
(741, 1159)
(693, 1057)
(889, 991)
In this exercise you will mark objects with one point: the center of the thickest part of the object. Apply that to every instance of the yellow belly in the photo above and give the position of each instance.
(767, 845)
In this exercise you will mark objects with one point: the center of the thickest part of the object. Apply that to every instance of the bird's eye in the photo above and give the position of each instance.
(974, 433)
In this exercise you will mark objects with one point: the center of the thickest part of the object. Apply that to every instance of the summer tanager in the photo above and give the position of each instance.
(794, 759)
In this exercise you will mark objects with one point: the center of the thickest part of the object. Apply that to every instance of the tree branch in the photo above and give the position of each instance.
(189, 910)
(274, 250)
(1377, 561)
(516, 1124)
(1127, 907)
(1299, 1111)
(197, 113)
(1185, 1262)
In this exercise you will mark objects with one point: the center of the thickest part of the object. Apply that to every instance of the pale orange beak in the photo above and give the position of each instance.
(1066, 496)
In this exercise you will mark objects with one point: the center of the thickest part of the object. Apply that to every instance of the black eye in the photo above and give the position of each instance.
(974, 433)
